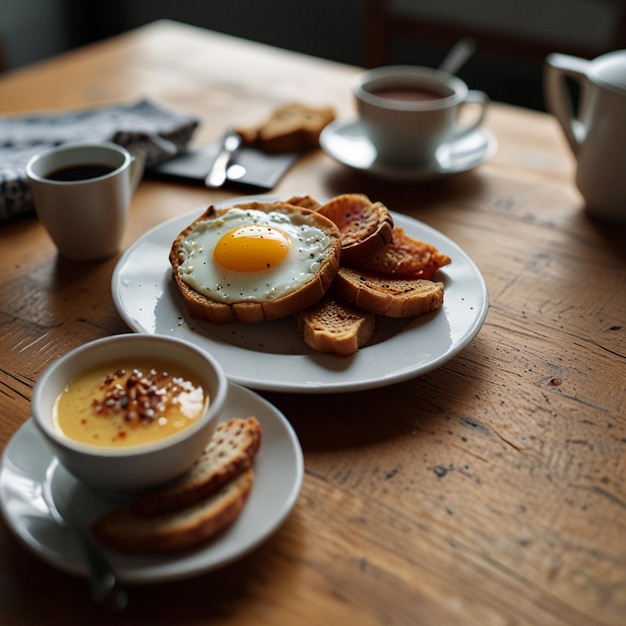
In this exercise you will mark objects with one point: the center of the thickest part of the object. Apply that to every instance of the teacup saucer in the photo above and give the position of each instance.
(346, 142)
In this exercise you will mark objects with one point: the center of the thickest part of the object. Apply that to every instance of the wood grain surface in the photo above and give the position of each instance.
(491, 491)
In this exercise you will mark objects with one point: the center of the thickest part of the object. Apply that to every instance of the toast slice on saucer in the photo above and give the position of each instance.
(126, 531)
(231, 451)
(195, 507)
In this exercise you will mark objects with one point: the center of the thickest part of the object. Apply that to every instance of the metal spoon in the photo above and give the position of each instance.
(104, 588)
(217, 176)
(460, 52)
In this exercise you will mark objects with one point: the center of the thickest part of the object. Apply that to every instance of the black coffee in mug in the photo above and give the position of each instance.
(81, 171)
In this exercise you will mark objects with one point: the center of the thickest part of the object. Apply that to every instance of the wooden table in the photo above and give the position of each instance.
(490, 491)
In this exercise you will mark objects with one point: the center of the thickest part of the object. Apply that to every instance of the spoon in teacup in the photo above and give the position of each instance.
(460, 52)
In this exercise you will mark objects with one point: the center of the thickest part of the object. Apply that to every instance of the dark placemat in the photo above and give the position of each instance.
(253, 170)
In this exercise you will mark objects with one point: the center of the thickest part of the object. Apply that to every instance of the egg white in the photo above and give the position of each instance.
(201, 272)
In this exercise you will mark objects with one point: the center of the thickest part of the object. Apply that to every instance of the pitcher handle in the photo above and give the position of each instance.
(558, 98)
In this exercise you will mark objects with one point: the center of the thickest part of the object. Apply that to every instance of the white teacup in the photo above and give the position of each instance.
(82, 194)
(596, 132)
(409, 111)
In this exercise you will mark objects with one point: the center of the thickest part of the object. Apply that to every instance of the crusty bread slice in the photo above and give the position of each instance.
(388, 296)
(230, 452)
(291, 128)
(306, 202)
(405, 257)
(124, 530)
(203, 307)
(366, 227)
(333, 326)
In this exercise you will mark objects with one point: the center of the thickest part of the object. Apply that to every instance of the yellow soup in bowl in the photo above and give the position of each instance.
(129, 402)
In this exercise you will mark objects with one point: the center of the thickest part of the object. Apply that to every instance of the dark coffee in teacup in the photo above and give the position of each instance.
(408, 112)
(407, 94)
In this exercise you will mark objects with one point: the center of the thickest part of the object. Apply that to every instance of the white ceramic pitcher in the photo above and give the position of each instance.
(596, 130)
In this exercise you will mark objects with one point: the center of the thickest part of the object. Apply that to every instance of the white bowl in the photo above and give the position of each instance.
(137, 467)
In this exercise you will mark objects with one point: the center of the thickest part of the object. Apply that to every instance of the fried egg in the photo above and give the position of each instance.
(249, 255)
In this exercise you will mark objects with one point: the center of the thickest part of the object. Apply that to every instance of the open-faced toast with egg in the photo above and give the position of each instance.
(254, 262)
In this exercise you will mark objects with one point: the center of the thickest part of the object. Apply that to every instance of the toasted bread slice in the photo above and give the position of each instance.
(202, 306)
(334, 326)
(365, 227)
(306, 202)
(405, 257)
(388, 296)
(230, 452)
(292, 128)
(125, 530)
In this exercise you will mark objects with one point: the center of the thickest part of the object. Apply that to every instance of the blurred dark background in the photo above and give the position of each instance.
(512, 36)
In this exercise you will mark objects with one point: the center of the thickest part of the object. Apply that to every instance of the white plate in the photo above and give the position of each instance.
(271, 355)
(348, 144)
(33, 484)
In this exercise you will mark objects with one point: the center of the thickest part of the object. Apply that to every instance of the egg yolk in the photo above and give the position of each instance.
(251, 248)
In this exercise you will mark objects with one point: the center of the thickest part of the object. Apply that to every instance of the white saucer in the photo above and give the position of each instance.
(347, 143)
(33, 486)
(272, 355)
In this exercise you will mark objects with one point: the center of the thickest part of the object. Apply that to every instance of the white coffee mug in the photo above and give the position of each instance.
(82, 194)
(596, 130)
(410, 111)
